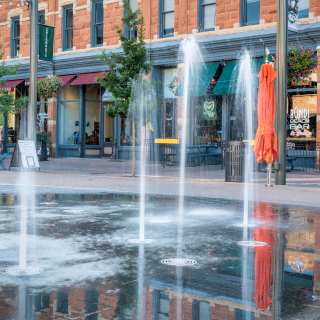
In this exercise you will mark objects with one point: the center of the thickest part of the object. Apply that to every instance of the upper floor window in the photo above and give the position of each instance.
(41, 17)
(166, 18)
(303, 8)
(67, 35)
(131, 34)
(250, 12)
(207, 15)
(97, 23)
(15, 37)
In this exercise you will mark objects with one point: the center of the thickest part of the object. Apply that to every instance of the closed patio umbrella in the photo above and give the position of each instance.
(263, 258)
(265, 146)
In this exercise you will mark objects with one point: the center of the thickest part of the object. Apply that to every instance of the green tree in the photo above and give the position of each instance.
(125, 67)
(8, 103)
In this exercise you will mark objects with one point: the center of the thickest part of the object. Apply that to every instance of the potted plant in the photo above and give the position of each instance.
(49, 87)
(302, 62)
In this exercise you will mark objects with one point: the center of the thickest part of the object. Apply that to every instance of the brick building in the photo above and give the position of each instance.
(83, 28)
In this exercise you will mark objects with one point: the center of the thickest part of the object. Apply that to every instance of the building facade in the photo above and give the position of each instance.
(84, 28)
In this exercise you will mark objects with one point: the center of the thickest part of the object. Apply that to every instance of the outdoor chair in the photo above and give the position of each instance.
(94, 141)
(1, 161)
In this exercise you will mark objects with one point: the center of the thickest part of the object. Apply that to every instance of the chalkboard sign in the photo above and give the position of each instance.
(25, 155)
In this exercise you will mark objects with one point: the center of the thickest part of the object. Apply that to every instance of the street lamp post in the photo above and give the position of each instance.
(281, 91)
(32, 110)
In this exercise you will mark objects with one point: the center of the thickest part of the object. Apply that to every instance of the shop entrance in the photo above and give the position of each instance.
(107, 136)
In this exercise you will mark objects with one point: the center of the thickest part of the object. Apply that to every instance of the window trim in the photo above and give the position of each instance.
(201, 16)
(93, 24)
(243, 14)
(13, 20)
(64, 24)
(161, 20)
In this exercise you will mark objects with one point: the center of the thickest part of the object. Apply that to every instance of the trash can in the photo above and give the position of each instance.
(43, 150)
(234, 161)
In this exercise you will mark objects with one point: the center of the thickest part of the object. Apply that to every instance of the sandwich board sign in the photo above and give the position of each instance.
(25, 155)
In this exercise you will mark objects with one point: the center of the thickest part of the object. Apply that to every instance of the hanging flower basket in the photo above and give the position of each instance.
(49, 87)
(301, 63)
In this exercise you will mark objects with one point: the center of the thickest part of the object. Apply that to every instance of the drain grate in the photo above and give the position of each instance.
(179, 262)
(15, 271)
(252, 243)
(141, 241)
(242, 225)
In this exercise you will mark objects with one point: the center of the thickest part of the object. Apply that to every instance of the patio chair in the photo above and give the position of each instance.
(1, 161)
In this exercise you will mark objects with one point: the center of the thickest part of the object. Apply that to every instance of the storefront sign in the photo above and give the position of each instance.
(106, 96)
(25, 155)
(293, 11)
(46, 35)
(300, 122)
(209, 110)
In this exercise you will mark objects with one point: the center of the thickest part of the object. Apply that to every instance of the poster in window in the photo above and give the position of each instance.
(209, 111)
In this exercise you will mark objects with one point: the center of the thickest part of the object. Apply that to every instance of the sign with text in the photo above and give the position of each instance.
(300, 122)
(25, 155)
(46, 36)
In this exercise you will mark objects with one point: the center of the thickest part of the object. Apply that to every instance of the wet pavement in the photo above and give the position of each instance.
(91, 271)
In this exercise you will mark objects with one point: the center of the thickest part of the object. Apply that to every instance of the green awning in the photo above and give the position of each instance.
(228, 80)
(198, 87)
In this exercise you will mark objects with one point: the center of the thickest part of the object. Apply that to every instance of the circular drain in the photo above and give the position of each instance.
(179, 262)
(141, 241)
(15, 271)
(252, 243)
(3, 247)
(242, 225)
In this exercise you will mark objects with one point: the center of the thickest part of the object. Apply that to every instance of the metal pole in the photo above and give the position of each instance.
(281, 89)
(269, 171)
(33, 71)
(4, 137)
(81, 123)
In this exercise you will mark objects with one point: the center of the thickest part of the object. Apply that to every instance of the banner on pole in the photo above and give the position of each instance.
(46, 35)
(293, 12)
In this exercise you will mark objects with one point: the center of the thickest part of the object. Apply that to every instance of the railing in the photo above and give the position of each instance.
(304, 156)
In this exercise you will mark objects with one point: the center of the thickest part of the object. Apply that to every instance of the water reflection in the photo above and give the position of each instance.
(91, 272)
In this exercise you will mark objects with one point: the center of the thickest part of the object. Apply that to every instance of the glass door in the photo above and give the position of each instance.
(107, 135)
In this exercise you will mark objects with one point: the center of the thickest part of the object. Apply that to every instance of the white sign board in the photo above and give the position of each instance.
(293, 12)
(25, 155)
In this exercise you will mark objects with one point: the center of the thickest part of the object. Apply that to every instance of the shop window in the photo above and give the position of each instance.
(303, 8)
(302, 116)
(15, 37)
(67, 36)
(63, 303)
(97, 23)
(207, 120)
(166, 19)
(250, 12)
(126, 133)
(69, 122)
(93, 111)
(131, 34)
(207, 15)
(170, 118)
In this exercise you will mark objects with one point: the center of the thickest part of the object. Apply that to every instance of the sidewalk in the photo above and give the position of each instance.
(206, 181)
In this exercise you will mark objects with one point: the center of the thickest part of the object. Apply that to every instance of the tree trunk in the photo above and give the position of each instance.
(133, 150)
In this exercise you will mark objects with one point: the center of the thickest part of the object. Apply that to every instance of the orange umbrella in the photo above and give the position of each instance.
(265, 145)
(263, 258)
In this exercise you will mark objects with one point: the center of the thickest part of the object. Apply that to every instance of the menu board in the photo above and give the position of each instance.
(25, 155)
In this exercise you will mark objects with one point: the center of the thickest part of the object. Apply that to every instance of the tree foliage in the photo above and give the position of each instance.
(7, 101)
(126, 65)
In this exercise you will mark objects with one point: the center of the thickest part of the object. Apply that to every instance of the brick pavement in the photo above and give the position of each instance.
(207, 181)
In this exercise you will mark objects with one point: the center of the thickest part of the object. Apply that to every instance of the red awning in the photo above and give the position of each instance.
(87, 78)
(67, 78)
(10, 85)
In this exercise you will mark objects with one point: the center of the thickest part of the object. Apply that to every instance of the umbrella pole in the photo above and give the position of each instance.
(269, 170)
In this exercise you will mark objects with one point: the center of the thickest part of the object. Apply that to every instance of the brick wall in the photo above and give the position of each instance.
(227, 13)
(268, 10)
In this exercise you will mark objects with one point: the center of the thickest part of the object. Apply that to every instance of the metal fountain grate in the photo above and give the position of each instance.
(15, 271)
(252, 243)
(179, 262)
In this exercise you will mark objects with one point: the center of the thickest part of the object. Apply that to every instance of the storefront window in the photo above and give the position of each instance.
(170, 119)
(69, 93)
(302, 117)
(207, 120)
(93, 108)
(69, 122)
(126, 134)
